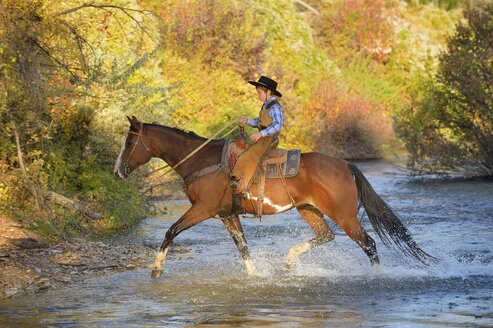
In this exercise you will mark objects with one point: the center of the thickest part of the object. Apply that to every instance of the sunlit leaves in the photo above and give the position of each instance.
(455, 130)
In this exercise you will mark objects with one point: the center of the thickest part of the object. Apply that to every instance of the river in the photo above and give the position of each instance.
(334, 285)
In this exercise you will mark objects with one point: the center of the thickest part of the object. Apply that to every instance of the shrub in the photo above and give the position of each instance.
(451, 130)
(55, 72)
(346, 124)
(221, 33)
(362, 25)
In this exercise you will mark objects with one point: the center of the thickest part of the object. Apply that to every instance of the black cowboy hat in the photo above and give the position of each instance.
(270, 84)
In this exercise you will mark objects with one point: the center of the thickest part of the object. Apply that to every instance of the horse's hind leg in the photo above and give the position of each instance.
(341, 205)
(350, 224)
(315, 218)
(356, 232)
(234, 227)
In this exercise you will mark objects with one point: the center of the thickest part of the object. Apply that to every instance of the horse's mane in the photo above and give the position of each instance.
(189, 134)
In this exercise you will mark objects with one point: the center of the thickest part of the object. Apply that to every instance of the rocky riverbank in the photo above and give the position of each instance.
(31, 265)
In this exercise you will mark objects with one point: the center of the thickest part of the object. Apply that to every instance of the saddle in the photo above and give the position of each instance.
(288, 161)
(276, 162)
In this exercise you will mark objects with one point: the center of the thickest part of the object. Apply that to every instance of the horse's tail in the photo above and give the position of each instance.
(385, 222)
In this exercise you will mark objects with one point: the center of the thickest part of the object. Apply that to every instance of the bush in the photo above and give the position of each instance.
(452, 129)
(57, 67)
(344, 123)
(218, 32)
(361, 25)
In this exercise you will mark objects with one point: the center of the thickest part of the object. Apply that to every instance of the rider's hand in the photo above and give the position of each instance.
(243, 119)
(254, 137)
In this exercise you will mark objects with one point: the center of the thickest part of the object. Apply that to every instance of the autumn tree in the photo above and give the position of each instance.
(60, 63)
(451, 130)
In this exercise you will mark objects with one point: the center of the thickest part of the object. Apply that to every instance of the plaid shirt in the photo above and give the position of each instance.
(275, 113)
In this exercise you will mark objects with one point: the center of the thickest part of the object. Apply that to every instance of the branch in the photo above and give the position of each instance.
(307, 6)
(41, 205)
(79, 44)
(86, 5)
(56, 60)
(103, 7)
(34, 192)
(64, 201)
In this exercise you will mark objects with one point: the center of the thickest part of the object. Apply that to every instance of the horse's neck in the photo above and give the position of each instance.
(173, 146)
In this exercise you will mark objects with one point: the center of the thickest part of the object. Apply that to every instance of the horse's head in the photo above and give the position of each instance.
(135, 150)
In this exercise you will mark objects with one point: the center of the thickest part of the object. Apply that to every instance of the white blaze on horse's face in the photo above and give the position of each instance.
(134, 153)
(118, 165)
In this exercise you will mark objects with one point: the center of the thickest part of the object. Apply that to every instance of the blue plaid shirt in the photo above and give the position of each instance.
(275, 113)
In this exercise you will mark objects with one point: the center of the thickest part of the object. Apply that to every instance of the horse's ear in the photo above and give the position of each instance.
(134, 123)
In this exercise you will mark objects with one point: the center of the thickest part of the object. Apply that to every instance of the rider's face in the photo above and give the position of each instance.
(262, 95)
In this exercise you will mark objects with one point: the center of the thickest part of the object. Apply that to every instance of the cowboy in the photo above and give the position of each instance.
(269, 123)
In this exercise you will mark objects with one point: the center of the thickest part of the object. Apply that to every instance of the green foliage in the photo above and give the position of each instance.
(61, 65)
(452, 129)
(445, 4)
(70, 71)
(117, 200)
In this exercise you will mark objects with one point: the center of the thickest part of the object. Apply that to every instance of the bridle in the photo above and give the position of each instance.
(139, 137)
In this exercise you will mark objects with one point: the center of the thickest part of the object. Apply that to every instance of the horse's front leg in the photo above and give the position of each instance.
(194, 215)
(234, 227)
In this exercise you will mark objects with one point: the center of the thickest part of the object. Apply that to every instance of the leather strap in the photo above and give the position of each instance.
(197, 174)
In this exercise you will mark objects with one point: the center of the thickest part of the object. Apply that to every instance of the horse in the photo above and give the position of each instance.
(323, 186)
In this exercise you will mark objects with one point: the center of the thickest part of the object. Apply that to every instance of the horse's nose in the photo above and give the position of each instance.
(118, 174)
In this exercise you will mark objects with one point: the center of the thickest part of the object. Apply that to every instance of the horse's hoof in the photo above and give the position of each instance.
(251, 274)
(156, 272)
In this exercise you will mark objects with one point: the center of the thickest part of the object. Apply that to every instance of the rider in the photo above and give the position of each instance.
(269, 123)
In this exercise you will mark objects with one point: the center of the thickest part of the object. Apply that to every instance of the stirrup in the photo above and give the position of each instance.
(238, 186)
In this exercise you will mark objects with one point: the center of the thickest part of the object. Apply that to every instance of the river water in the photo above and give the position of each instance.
(333, 285)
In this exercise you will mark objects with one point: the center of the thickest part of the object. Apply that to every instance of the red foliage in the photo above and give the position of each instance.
(364, 24)
(217, 31)
(345, 123)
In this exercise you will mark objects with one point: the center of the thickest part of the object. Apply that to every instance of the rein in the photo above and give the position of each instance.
(198, 148)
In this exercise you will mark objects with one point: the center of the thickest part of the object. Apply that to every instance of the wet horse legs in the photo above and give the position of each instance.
(235, 229)
(315, 218)
(194, 215)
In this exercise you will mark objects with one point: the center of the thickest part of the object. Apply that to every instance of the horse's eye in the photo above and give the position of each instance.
(129, 143)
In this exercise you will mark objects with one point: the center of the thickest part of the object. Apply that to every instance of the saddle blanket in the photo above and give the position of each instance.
(289, 167)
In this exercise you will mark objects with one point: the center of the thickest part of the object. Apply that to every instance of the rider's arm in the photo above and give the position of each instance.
(275, 113)
(252, 122)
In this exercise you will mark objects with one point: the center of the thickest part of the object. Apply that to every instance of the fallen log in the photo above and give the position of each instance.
(53, 197)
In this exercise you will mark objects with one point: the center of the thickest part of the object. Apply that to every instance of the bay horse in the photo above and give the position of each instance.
(323, 186)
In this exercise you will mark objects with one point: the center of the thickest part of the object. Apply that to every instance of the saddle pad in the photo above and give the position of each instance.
(288, 169)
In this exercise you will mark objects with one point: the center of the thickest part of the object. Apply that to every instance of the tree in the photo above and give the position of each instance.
(451, 130)
(60, 62)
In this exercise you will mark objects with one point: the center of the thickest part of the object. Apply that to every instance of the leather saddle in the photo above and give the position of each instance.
(285, 161)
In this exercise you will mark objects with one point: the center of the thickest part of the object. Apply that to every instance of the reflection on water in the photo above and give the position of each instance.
(333, 285)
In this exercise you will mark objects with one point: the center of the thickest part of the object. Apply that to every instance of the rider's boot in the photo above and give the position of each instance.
(237, 188)
(236, 208)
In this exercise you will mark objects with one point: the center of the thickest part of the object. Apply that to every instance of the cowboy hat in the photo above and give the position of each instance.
(265, 82)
